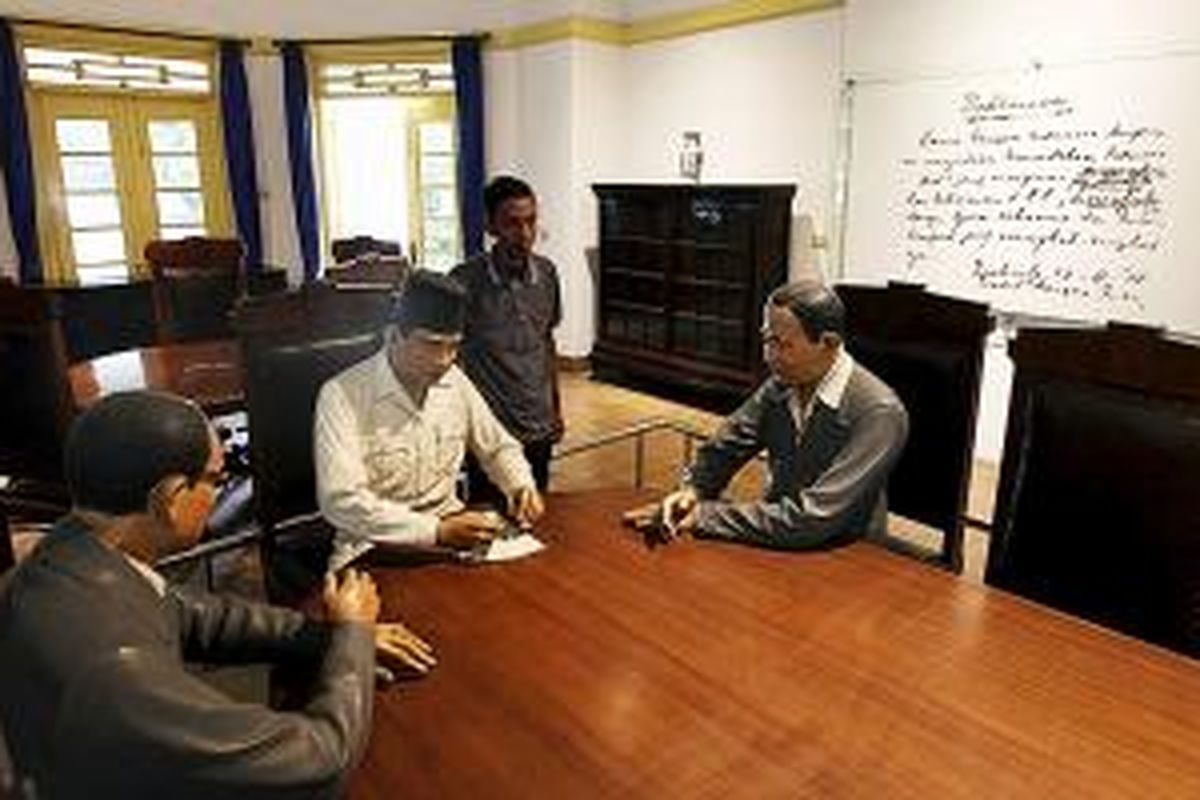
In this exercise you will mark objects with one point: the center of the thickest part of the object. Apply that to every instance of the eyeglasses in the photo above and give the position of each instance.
(217, 479)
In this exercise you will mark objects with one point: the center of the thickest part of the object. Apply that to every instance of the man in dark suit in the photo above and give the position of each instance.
(831, 429)
(94, 695)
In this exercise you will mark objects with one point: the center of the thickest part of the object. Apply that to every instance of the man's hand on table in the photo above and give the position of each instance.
(468, 529)
(402, 651)
(526, 506)
(353, 599)
(662, 521)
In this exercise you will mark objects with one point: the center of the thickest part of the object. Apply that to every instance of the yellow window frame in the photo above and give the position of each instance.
(128, 114)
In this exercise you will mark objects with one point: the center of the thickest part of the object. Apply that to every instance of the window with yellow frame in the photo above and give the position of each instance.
(127, 147)
(386, 143)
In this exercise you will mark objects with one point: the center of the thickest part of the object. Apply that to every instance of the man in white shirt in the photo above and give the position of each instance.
(831, 429)
(390, 434)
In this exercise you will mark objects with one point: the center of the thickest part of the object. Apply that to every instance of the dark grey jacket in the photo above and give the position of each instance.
(96, 702)
(828, 488)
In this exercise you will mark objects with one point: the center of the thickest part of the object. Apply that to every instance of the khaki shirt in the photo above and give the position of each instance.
(387, 468)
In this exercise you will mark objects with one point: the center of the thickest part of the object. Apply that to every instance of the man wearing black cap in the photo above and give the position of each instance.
(94, 695)
(390, 434)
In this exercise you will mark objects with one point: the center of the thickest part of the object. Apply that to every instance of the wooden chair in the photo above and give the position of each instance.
(929, 349)
(386, 272)
(292, 344)
(196, 282)
(1098, 511)
(358, 246)
(36, 407)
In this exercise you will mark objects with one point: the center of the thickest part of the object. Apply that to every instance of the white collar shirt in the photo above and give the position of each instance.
(829, 391)
(388, 468)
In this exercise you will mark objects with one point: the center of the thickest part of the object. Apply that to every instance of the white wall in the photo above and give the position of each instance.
(765, 99)
(886, 38)
(554, 116)
(893, 41)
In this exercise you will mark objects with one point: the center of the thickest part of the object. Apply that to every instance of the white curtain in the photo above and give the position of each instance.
(281, 243)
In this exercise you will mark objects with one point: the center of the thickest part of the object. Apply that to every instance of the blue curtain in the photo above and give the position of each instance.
(466, 53)
(299, 134)
(239, 151)
(16, 159)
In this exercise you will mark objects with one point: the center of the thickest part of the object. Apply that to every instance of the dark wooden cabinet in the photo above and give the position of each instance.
(683, 274)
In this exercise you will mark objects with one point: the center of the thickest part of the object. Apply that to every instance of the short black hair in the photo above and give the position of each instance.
(119, 449)
(815, 306)
(432, 301)
(501, 188)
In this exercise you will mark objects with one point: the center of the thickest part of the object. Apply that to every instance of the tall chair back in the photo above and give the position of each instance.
(354, 247)
(196, 282)
(291, 344)
(1098, 511)
(35, 397)
(929, 349)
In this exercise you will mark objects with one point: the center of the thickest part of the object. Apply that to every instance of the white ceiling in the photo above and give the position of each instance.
(329, 18)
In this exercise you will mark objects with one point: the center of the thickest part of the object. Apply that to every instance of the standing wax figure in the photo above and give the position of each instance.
(831, 429)
(513, 306)
(390, 433)
(95, 698)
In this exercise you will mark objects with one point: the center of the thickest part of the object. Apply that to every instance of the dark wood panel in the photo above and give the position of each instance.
(1097, 506)
(599, 668)
(684, 271)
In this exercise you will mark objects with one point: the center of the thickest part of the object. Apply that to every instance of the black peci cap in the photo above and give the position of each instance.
(432, 301)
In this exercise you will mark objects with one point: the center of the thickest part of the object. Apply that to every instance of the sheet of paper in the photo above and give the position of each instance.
(519, 546)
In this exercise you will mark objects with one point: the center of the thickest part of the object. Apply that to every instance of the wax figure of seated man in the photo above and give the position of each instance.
(390, 434)
(94, 694)
(831, 429)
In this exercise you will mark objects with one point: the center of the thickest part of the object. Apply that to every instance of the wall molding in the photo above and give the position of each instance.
(657, 27)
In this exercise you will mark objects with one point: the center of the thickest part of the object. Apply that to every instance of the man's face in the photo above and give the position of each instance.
(193, 500)
(792, 356)
(515, 227)
(423, 356)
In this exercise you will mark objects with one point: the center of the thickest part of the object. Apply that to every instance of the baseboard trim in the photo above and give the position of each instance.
(574, 364)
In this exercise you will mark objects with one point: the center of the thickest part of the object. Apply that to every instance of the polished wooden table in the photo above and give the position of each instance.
(599, 668)
(209, 372)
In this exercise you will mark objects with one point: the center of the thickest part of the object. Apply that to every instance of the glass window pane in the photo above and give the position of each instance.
(93, 210)
(177, 172)
(172, 136)
(103, 273)
(95, 247)
(82, 135)
(88, 172)
(179, 232)
(437, 169)
(439, 202)
(180, 208)
(439, 253)
(436, 138)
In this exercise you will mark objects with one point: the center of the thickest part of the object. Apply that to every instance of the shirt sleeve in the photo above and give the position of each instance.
(499, 453)
(737, 441)
(343, 489)
(220, 629)
(832, 506)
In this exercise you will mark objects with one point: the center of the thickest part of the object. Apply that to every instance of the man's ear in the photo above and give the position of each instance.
(166, 499)
(830, 340)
